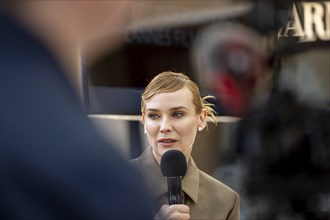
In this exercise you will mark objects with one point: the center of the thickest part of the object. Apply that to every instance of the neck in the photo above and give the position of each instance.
(156, 156)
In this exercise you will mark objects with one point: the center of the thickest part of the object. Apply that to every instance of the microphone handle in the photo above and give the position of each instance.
(175, 195)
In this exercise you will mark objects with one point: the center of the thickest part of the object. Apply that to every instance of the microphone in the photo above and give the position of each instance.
(173, 165)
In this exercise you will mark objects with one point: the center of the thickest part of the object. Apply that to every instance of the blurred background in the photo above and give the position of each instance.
(267, 64)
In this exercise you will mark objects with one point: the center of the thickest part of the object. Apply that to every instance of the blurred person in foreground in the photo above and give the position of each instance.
(172, 114)
(53, 163)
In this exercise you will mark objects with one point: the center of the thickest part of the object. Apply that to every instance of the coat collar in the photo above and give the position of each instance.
(158, 184)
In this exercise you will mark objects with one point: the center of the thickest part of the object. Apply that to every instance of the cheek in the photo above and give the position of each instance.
(190, 134)
(151, 127)
(191, 124)
(188, 129)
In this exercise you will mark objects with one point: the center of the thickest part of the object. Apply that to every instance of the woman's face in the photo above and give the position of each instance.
(171, 122)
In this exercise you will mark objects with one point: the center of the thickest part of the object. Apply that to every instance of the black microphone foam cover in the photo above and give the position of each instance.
(173, 163)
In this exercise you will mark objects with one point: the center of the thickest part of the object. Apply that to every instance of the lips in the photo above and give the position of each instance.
(167, 142)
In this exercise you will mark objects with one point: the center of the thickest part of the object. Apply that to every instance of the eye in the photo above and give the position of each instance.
(177, 114)
(153, 116)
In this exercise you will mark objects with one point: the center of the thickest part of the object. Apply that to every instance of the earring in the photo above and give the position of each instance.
(145, 131)
(200, 128)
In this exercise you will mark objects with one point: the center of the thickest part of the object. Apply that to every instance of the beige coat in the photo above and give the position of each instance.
(206, 197)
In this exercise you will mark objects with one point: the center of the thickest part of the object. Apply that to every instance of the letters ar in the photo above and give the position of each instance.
(311, 25)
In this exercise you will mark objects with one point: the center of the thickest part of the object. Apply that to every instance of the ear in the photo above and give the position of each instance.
(202, 119)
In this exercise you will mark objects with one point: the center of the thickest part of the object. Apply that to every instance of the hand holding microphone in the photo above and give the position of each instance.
(174, 166)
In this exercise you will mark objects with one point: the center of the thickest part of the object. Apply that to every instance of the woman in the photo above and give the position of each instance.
(172, 113)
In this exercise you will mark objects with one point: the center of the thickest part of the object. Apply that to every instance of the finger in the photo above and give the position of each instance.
(162, 213)
(179, 216)
(179, 207)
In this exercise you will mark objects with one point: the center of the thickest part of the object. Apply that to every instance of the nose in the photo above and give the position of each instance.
(165, 126)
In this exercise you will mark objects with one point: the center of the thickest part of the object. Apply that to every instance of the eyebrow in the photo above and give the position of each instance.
(173, 109)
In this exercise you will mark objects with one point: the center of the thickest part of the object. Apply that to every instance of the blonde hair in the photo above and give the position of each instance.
(170, 82)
